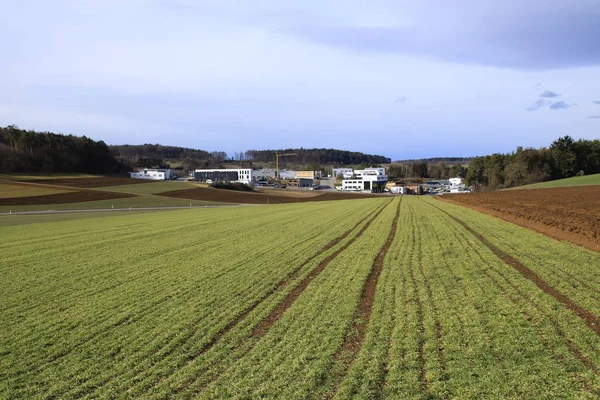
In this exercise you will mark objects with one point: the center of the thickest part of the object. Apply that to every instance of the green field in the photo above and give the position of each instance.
(574, 181)
(373, 299)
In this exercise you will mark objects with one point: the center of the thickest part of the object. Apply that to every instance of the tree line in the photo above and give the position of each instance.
(319, 156)
(47, 152)
(564, 158)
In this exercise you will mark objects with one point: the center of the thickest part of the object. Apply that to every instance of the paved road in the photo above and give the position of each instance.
(117, 209)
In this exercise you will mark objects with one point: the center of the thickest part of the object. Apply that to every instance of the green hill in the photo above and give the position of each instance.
(574, 181)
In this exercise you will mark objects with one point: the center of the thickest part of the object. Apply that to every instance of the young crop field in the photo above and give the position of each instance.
(574, 181)
(379, 298)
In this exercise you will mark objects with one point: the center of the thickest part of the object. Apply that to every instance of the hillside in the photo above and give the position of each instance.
(574, 181)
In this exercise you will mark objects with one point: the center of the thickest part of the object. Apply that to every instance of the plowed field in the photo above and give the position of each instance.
(101, 181)
(63, 198)
(232, 196)
(566, 213)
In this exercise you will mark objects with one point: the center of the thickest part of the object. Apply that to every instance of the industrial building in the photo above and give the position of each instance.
(368, 179)
(153, 174)
(263, 174)
(223, 175)
(285, 174)
(345, 172)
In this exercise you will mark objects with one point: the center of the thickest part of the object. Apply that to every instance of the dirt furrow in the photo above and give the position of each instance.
(591, 320)
(350, 348)
(266, 323)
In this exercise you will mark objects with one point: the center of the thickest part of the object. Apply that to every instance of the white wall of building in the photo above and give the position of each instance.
(244, 175)
(153, 174)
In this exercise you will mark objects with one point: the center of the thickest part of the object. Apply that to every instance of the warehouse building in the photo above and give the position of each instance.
(223, 175)
(366, 180)
(153, 174)
(263, 174)
(345, 172)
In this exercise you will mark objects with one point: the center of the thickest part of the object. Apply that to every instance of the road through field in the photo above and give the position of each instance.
(366, 299)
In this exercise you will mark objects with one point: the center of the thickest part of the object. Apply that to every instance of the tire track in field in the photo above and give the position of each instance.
(590, 319)
(266, 323)
(518, 299)
(437, 326)
(521, 297)
(420, 320)
(348, 352)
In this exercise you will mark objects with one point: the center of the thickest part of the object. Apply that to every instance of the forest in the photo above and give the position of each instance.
(318, 156)
(46, 152)
(566, 157)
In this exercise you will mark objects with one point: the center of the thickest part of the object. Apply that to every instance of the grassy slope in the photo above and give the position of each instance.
(575, 181)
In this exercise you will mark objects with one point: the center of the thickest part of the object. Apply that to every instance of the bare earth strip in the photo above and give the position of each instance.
(565, 213)
(591, 320)
(277, 313)
(350, 348)
(293, 275)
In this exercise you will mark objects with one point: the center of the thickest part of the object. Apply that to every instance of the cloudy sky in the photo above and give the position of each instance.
(401, 78)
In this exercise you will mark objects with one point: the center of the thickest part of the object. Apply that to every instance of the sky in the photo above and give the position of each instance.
(399, 78)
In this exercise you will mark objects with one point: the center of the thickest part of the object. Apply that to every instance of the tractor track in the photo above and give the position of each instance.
(277, 313)
(590, 319)
(355, 336)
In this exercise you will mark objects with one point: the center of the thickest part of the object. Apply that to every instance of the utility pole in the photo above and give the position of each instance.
(277, 155)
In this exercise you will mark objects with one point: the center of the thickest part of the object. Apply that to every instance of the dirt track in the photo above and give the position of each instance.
(232, 196)
(568, 213)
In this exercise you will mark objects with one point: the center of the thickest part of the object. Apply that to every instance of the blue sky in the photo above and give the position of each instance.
(405, 79)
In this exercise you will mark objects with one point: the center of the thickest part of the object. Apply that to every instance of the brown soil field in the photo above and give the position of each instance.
(101, 181)
(232, 196)
(60, 198)
(565, 213)
(288, 192)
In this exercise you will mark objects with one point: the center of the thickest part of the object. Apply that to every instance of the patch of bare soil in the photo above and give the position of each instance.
(567, 213)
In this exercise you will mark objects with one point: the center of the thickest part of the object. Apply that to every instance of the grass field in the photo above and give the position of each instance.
(575, 181)
(379, 298)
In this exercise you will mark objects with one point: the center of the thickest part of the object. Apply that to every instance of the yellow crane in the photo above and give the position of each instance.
(277, 155)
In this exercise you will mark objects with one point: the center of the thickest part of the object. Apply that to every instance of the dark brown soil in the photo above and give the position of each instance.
(101, 181)
(61, 198)
(232, 196)
(569, 213)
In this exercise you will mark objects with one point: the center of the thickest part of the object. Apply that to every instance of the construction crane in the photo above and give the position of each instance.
(277, 155)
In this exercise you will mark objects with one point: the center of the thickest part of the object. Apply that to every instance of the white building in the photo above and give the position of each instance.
(224, 175)
(153, 174)
(456, 182)
(345, 172)
(368, 179)
(263, 174)
(285, 174)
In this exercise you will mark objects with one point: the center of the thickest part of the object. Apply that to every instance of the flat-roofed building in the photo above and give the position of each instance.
(223, 175)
